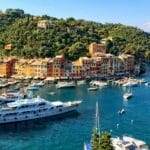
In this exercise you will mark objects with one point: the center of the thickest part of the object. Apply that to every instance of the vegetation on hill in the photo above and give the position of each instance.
(102, 142)
(66, 36)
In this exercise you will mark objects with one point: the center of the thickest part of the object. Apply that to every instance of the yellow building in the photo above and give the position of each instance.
(39, 68)
(22, 68)
(77, 69)
(58, 70)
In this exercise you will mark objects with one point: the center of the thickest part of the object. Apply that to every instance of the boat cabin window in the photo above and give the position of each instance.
(24, 106)
(59, 106)
(52, 108)
(11, 114)
(42, 104)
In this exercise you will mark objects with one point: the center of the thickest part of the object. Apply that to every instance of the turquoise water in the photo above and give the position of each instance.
(70, 131)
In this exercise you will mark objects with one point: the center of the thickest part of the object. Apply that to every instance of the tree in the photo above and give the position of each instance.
(95, 141)
(105, 142)
(102, 142)
(76, 50)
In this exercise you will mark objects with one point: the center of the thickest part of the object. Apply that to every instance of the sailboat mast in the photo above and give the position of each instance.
(97, 119)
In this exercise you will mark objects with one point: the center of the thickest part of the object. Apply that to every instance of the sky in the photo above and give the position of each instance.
(128, 12)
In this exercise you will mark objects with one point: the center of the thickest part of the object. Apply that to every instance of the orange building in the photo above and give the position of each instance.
(96, 48)
(6, 67)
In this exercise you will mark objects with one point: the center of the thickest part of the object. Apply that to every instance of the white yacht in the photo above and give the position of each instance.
(9, 97)
(65, 84)
(98, 83)
(34, 108)
(128, 143)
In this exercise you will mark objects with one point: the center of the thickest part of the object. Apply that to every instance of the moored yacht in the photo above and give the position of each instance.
(132, 84)
(128, 143)
(92, 88)
(98, 83)
(65, 84)
(38, 84)
(80, 82)
(34, 108)
(33, 87)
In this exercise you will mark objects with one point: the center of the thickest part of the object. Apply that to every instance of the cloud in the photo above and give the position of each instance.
(146, 27)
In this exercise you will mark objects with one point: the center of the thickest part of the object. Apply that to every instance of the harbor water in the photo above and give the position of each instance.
(70, 131)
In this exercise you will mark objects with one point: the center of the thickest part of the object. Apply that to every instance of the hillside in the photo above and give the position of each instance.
(66, 36)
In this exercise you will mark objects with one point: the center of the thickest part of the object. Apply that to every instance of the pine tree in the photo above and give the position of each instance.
(95, 141)
(105, 142)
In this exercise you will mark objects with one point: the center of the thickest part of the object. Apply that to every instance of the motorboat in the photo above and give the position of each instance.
(92, 88)
(147, 84)
(128, 143)
(39, 84)
(127, 95)
(121, 111)
(34, 108)
(142, 81)
(98, 83)
(52, 93)
(65, 84)
(141, 145)
(9, 97)
(33, 87)
(132, 84)
(80, 82)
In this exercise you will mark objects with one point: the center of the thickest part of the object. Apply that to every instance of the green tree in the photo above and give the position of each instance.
(102, 142)
(95, 141)
(76, 50)
(105, 142)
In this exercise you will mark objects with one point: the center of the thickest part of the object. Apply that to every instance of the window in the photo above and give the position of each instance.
(41, 104)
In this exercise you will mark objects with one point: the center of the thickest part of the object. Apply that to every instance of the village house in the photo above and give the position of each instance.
(128, 61)
(44, 24)
(9, 46)
(6, 66)
(95, 48)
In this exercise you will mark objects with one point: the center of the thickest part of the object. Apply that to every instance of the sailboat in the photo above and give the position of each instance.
(128, 94)
(87, 146)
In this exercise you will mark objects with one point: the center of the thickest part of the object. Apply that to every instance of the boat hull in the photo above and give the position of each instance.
(38, 115)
